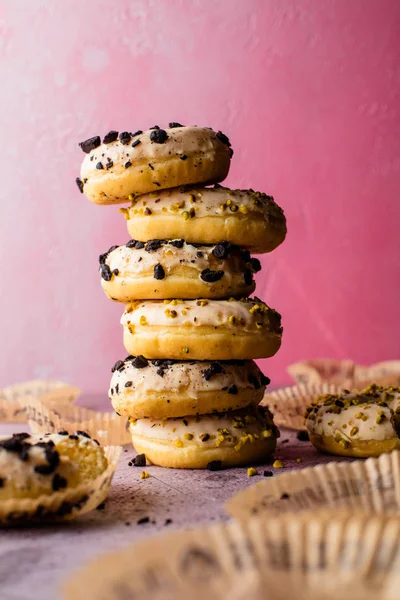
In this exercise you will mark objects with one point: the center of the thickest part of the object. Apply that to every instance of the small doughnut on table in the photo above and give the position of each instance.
(42, 558)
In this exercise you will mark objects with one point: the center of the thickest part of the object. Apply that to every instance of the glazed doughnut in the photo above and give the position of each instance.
(208, 215)
(166, 388)
(358, 423)
(129, 164)
(35, 465)
(166, 269)
(201, 329)
(233, 439)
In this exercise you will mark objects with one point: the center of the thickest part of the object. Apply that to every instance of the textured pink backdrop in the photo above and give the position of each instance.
(308, 92)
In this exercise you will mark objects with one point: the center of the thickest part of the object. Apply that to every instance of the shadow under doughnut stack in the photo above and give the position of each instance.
(190, 386)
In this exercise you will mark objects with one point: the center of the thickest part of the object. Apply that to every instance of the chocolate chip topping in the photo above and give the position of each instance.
(83, 433)
(213, 369)
(183, 157)
(223, 249)
(159, 136)
(248, 277)
(106, 272)
(255, 265)
(264, 379)
(135, 244)
(58, 482)
(303, 436)
(128, 384)
(52, 458)
(1, 482)
(210, 276)
(223, 138)
(109, 163)
(90, 144)
(173, 125)
(254, 382)
(154, 127)
(127, 164)
(204, 437)
(99, 166)
(79, 183)
(140, 362)
(111, 136)
(214, 465)
(62, 432)
(153, 245)
(159, 272)
(138, 132)
(125, 138)
(177, 243)
(103, 257)
(232, 389)
(139, 460)
(136, 143)
(119, 366)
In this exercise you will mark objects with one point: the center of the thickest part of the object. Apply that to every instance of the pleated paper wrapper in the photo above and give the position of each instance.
(346, 373)
(50, 416)
(304, 557)
(13, 397)
(288, 404)
(62, 505)
(371, 485)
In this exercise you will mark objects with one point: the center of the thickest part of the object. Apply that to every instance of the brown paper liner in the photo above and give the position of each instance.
(295, 556)
(288, 404)
(371, 485)
(345, 373)
(13, 397)
(49, 417)
(63, 505)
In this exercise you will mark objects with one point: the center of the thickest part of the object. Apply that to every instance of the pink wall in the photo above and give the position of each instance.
(309, 93)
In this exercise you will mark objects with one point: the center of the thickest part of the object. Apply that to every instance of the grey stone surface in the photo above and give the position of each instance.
(34, 561)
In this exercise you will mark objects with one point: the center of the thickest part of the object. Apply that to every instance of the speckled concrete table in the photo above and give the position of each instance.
(34, 561)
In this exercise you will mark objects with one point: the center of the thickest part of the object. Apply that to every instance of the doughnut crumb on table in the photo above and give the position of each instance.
(358, 423)
(128, 164)
(37, 465)
(161, 269)
(234, 438)
(166, 388)
(202, 329)
(207, 215)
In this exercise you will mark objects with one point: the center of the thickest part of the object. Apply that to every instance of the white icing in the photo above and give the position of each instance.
(206, 202)
(191, 141)
(215, 313)
(184, 377)
(328, 423)
(175, 429)
(132, 262)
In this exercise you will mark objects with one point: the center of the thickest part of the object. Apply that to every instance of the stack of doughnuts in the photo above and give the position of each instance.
(189, 387)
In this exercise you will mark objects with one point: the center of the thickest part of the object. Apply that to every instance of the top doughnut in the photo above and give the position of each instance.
(129, 164)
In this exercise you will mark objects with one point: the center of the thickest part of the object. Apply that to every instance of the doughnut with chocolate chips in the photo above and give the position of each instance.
(37, 465)
(208, 215)
(166, 388)
(201, 329)
(234, 438)
(128, 164)
(160, 269)
(357, 423)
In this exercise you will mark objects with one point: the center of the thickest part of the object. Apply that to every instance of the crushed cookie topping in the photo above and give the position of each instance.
(90, 144)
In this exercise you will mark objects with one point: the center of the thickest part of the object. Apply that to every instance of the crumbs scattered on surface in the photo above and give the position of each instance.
(251, 471)
(278, 464)
(144, 475)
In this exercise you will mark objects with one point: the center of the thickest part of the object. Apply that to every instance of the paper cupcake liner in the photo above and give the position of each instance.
(346, 373)
(288, 404)
(12, 397)
(108, 428)
(63, 505)
(371, 485)
(302, 557)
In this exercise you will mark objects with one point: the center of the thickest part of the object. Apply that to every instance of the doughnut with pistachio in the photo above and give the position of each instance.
(358, 423)
(160, 269)
(127, 164)
(228, 439)
(165, 388)
(207, 215)
(201, 329)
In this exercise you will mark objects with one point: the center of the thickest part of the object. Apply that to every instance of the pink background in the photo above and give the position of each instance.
(308, 92)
